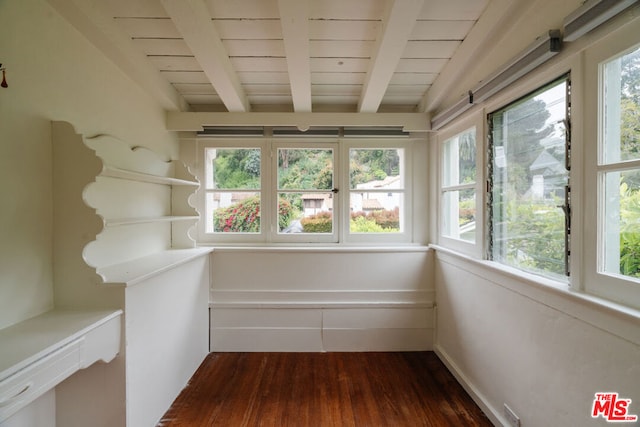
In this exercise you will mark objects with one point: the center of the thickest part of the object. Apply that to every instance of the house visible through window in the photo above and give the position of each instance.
(530, 193)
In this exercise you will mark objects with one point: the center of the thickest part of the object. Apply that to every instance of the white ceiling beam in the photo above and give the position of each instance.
(192, 19)
(194, 121)
(294, 18)
(401, 16)
(93, 20)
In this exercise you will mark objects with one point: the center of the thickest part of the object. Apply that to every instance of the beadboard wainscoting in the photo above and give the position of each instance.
(322, 299)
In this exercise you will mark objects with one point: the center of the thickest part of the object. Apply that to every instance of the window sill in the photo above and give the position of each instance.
(319, 249)
(614, 318)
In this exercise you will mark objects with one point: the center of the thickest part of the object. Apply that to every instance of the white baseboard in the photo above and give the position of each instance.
(494, 415)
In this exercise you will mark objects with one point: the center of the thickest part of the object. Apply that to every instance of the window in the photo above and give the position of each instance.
(376, 190)
(529, 196)
(276, 190)
(458, 187)
(232, 189)
(619, 166)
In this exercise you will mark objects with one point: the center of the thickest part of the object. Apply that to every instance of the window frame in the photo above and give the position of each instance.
(406, 212)
(268, 192)
(516, 94)
(475, 120)
(598, 282)
(273, 234)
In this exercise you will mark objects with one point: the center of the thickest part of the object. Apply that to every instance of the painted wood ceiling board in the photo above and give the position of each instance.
(263, 77)
(336, 90)
(430, 49)
(267, 89)
(341, 48)
(175, 63)
(249, 28)
(402, 99)
(399, 90)
(335, 100)
(413, 78)
(322, 29)
(254, 9)
(339, 65)
(185, 76)
(259, 64)
(441, 30)
(257, 48)
(195, 88)
(149, 28)
(348, 10)
(194, 99)
(137, 8)
(407, 65)
(270, 99)
(174, 47)
(462, 10)
(337, 78)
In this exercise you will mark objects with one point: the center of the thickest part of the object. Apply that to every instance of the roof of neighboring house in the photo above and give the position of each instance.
(371, 204)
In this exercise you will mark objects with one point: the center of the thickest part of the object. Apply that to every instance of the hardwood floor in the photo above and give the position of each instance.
(323, 389)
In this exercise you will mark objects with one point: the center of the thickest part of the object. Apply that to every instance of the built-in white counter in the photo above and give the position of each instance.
(39, 353)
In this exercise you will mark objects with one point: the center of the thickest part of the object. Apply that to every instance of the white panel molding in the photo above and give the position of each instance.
(294, 18)
(398, 24)
(193, 21)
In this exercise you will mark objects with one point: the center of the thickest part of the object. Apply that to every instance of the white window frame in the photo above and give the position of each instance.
(510, 96)
(268, 212)
(201, 194)
(460, 126)
(617, 288)
(406, 212)
(307, 143)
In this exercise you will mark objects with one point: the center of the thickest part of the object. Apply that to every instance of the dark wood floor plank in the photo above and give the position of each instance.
(323, 389)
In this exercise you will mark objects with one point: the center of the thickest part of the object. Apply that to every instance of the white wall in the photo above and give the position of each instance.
(53, 74)
(314, 299)
(539, 350)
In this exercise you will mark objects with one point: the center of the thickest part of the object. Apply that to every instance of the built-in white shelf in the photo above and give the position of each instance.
(118, 222)
(132, 272)
(114, 172)
(39, 353)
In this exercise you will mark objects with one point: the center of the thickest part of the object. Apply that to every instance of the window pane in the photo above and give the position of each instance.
(459, 215)
(622, 223)
(305, 213)
(376, 212)
(233, 212)
(622, 108)
(305, 169)
(529, 179)
(233, 168)
(459, 159)
(373, 168)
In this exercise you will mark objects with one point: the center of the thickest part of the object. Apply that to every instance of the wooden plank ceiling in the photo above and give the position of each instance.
(298, 55)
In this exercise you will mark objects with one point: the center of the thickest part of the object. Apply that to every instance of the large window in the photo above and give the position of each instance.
(528, 171)
(299, 191)
(619, 166)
